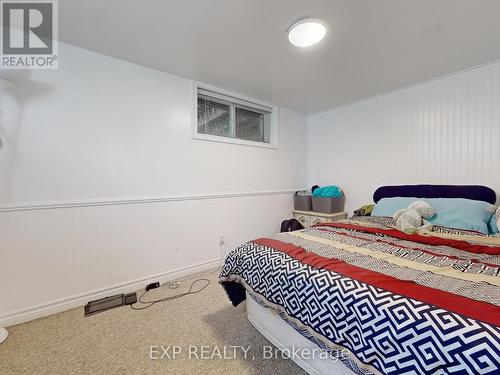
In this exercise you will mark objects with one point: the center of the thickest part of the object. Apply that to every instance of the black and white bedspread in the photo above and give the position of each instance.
(382, 301)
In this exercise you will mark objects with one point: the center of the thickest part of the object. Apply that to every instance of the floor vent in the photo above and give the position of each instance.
(108, 303)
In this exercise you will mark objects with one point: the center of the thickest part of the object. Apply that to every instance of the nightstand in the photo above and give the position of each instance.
(309, 218)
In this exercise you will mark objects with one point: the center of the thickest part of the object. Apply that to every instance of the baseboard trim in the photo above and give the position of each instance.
(53, 307)
(144, 200)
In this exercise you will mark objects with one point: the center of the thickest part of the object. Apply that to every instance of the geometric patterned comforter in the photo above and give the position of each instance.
(380, 300)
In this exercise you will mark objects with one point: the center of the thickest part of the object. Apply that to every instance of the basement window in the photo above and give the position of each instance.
(225, 117)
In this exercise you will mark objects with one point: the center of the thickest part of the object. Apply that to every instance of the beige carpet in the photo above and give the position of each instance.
(118, 341)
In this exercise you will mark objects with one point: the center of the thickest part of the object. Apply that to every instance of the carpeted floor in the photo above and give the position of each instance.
(118, 341)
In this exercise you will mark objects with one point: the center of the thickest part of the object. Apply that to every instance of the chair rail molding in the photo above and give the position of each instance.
(144, 200)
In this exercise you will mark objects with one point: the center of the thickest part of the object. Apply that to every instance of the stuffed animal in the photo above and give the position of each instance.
(412, 219)
(365, 210)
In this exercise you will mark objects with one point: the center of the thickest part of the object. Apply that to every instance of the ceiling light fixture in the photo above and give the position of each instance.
(306, 32)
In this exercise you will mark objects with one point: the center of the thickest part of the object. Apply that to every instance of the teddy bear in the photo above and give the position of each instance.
(412, 219)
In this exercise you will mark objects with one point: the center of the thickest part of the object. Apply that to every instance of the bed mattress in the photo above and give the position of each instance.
(298, 348)
(380, 300)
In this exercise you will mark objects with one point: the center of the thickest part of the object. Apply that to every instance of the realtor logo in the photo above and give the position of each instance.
(29, 34)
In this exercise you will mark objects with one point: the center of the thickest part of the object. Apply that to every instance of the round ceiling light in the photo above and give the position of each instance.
(306, 33)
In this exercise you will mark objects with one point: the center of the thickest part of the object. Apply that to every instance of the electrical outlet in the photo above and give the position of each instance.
(222, 246)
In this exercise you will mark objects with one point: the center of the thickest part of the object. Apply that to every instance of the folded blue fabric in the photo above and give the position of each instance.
(328, 192)
(456, 213)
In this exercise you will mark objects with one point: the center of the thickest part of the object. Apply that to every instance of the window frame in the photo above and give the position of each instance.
(240, 101)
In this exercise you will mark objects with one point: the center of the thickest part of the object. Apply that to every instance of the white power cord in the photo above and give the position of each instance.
(174, 284)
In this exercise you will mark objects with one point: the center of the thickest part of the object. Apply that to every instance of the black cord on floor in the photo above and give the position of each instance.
(170, 298)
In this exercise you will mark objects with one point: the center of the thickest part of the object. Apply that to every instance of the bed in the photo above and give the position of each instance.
(375, 299)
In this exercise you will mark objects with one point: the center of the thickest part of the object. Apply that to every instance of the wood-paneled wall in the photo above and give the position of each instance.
(442, 131)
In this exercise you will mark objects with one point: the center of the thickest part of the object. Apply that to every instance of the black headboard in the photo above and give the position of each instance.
(475, 192)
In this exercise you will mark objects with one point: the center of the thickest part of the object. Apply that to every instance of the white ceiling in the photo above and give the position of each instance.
(372, 46)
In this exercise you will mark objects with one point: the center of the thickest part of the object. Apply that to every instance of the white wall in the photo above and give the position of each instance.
(102, 187)
(444, 131)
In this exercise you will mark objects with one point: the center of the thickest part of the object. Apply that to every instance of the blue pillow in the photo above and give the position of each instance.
(492, 225)
(456, 213)
(389, 206)
(461, 213)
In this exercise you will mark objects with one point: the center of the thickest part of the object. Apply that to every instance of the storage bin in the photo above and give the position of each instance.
(328, 205)
(302, 201)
